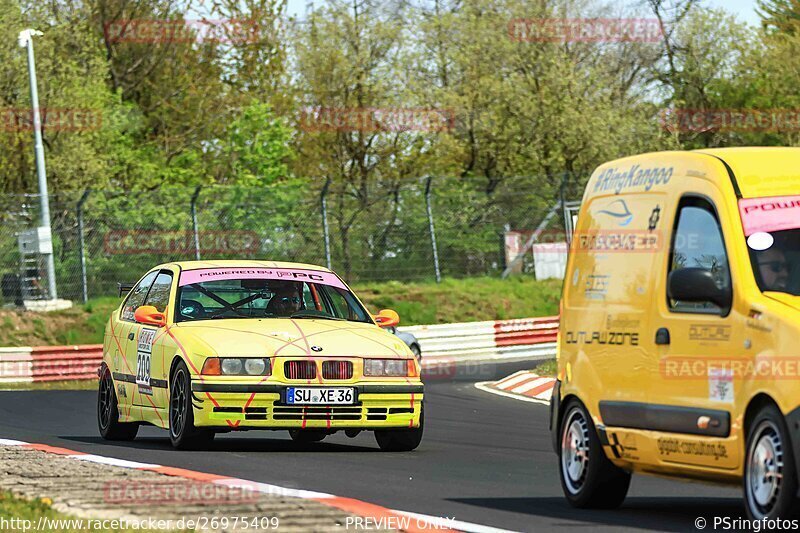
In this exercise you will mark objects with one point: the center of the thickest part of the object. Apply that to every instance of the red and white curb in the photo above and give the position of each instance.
(523, 385)
(381, 516)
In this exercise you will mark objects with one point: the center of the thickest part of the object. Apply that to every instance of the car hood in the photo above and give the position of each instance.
(785, 298)
(288, 337)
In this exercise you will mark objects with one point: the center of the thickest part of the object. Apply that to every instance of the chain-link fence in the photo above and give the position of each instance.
(412, 230)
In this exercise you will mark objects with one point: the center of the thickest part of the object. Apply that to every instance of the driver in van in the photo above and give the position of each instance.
(774, 269)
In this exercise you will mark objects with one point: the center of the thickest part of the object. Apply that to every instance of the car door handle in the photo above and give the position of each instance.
(662, 336)
(130, 336)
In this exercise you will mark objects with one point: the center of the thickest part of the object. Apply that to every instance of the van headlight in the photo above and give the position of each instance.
(386, 367)
(237, 366)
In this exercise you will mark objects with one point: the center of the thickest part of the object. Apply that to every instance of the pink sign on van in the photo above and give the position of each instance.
(776, 213)
(201, 275)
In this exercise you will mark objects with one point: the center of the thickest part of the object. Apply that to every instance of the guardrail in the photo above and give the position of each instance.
(526, 338)
(50, 363)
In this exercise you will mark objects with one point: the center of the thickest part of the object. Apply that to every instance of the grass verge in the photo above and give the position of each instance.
(547, 369)
(18, 514)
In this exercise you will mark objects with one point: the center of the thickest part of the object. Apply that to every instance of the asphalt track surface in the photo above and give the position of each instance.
(484, 459)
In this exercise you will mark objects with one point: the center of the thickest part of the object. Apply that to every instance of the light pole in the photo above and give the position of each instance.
(26, 41)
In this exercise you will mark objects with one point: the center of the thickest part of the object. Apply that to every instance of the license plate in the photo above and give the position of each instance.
(320, 396)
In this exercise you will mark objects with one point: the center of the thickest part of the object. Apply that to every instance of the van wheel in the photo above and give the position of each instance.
(770, 478)
(108, 412)
(588, 478)
(182, 432)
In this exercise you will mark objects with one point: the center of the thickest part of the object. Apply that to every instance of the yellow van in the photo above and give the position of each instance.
(679, 346)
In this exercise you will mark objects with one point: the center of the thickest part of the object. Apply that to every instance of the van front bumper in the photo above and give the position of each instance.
(262, 406)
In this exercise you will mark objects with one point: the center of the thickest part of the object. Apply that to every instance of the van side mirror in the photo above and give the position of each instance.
(148, 314)
(697, 285)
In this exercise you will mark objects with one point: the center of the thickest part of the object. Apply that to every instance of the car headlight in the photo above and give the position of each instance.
(386, 367)
(254, 367)
(237, 366)
(231, 366)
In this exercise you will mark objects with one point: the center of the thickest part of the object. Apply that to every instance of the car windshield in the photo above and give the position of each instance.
(208, 294)
(772, 228)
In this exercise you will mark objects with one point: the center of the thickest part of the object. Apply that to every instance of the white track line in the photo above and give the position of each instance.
(437, 523)
(273, 490)
(111, 461)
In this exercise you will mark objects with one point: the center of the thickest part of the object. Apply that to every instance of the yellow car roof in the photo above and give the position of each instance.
(242, 263)
(762, 171)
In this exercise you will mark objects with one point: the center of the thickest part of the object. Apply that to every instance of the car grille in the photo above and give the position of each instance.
(313, 412)
(317, 413)
(300, 369)
(337, 370)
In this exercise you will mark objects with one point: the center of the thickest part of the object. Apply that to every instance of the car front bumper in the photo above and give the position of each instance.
(229, 405)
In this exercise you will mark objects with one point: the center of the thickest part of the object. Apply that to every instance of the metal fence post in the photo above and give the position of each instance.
(194, 223)
(81, 250)
(324, 203)
(431, 228)
(562, 199)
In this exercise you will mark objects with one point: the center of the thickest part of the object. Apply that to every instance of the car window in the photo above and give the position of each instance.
(265, 298)
(158, 296)
(136, 296)
(341, 305)
(698, 243)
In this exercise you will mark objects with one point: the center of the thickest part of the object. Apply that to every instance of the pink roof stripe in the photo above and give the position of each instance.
(285, 274)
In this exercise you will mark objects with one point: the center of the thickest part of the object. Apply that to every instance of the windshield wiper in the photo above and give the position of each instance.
(313, 314)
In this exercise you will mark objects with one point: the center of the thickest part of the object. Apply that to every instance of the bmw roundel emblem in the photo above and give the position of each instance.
(316, 348)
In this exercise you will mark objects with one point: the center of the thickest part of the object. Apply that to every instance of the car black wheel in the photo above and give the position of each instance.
(401, 440)
(108, 412)
(770, 478)
(307, 435)
(182, 432)
(588, 478)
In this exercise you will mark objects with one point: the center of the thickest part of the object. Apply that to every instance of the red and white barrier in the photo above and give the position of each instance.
(524, 338)
(49, 363)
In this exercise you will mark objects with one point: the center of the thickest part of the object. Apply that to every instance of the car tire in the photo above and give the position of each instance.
(770, 477)
(182, 432)
(416, 351)
(401, 440)
(307, 435)
(588, 478)
(108, 412)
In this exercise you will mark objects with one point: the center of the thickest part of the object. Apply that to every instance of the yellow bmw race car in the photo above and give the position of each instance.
(199, 348)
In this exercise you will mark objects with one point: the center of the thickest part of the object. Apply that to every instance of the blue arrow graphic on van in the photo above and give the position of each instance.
(619, 210)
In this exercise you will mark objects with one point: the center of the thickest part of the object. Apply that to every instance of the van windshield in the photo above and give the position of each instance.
(772, 228)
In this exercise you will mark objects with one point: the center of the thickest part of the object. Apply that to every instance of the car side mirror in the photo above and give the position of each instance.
(387, 318)
(148, 314)
(697, 285)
